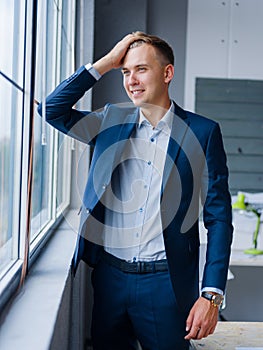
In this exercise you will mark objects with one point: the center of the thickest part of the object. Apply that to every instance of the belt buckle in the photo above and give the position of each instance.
(141, 268)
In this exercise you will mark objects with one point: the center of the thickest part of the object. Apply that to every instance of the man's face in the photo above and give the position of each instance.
(144, 78)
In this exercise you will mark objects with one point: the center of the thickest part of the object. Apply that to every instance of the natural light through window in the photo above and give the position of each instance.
(30, 67)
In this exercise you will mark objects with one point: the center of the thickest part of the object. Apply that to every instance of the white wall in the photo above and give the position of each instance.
(224, 40)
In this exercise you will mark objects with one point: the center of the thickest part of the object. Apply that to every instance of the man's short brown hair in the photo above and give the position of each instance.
(162, 46)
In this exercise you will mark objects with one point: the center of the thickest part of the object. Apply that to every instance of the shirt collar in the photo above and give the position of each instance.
(166, 121)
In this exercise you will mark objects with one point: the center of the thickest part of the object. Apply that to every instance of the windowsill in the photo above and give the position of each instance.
(30, 322)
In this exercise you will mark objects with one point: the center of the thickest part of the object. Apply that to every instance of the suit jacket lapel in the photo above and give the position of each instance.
(179, 129)
(126, 130)
(108, 158)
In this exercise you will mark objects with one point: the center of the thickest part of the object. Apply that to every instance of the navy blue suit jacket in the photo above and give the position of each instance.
(195, 168)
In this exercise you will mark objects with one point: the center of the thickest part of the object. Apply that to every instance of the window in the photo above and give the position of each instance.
(12, 29)
(51, 164)
(52, 55)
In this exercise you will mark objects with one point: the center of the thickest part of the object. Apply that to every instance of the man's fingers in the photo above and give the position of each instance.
(114, 58)
(193, 333)
(212, 329)
(119, 51)
(189, 321)
(200, 332)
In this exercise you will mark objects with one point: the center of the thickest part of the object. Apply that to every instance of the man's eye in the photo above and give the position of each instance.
(142, 69)
(126, 72)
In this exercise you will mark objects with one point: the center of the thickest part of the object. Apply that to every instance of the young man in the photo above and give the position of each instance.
(152, 161)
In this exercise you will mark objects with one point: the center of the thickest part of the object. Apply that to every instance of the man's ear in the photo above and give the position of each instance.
(168, 73)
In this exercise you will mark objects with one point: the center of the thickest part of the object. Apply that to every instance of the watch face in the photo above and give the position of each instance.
(217, 299)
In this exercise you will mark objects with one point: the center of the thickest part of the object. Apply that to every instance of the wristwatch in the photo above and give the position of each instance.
(216, 299)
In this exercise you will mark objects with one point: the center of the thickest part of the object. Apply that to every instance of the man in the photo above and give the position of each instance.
(139, 219)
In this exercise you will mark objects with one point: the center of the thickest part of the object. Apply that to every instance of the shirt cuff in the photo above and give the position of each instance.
(211, 289)
(93, 71)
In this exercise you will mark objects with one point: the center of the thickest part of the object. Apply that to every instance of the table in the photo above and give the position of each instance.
(230, 335)
(239, 258)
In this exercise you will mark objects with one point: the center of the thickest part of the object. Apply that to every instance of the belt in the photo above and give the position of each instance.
(135, 267)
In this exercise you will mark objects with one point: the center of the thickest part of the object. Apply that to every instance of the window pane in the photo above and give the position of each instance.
(12, 22)
(66, 68)
(63, 175)
(67, 40)
(42, 180)
(43, 172)
(51, 161)
(10, 160)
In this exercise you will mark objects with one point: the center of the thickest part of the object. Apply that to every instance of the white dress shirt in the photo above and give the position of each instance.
(133, 227)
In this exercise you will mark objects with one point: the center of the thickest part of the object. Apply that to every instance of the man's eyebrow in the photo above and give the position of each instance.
(137, 66)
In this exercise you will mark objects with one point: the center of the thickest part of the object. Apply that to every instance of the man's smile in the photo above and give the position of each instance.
(137, 92)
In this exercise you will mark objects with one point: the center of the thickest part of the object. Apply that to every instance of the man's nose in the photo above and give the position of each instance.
(132, 79)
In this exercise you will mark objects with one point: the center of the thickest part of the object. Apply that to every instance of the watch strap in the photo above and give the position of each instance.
(207, 295)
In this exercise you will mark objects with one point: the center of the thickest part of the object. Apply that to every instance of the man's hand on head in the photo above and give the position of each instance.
(114, 58)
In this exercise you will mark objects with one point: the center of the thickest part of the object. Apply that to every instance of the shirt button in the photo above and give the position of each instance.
(87, 210)
(149, 163)
(141, 210)
(152, 139)
(104, 186)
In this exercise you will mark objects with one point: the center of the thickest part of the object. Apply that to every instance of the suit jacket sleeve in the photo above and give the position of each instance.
(82, 125)
(217, 213)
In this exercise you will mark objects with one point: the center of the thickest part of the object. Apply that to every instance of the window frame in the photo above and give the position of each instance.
(10, 275)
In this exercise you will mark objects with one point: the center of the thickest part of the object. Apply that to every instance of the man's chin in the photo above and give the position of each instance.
(138, 103)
